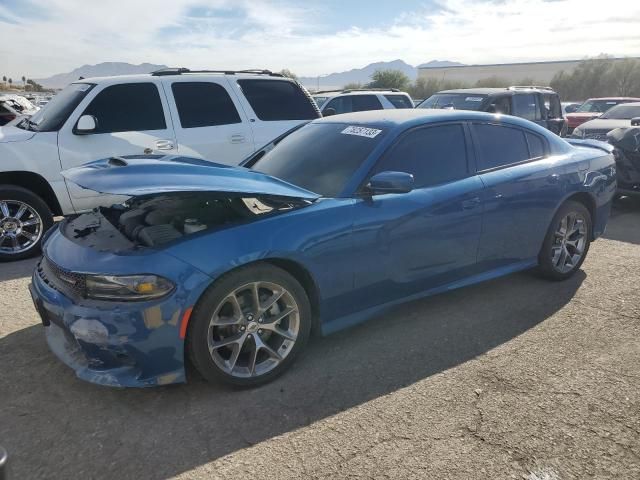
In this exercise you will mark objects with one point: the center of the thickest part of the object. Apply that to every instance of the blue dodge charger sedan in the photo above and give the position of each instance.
(336, 221)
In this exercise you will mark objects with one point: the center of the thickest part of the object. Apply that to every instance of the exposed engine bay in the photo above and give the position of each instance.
(153, 220)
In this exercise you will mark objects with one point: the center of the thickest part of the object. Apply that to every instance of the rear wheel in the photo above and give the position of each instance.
(24, 217)
(249, 326)
(567, 242)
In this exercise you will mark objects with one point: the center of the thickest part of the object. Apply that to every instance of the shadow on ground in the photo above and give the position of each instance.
(624, 224)
(57, 426)
(20, 269)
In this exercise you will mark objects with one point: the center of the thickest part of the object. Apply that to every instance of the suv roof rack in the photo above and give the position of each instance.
(358, 90)
(529, 87)
(182, 70)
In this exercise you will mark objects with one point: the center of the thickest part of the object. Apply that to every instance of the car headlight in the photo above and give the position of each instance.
(577, 132)
(127, 287)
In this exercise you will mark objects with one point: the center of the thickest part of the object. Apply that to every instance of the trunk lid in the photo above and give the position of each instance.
(149, 174)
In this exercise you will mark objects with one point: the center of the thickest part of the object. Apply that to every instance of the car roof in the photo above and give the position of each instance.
(147, 76)
(357, 92)
(498, 90)
(404, 118)
(612, 98)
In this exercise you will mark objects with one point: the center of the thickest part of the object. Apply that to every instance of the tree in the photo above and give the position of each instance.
(288, 73)
(589, 79)
(24, 80)
(10, 82)
(389, 79)
(624, 76)
(353, 86)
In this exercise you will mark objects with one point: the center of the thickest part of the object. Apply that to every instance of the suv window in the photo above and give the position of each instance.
(526, 106)
(341, 104)
(399, 101)
(129, 107)
(278, 100)
(362, 103)
(499, 146)
(53, 115)
(433, 155)
(204, 104)
(552, 104)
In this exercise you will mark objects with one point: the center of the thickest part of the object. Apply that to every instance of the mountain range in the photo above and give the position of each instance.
(333, 80)
(106, 69)
(363, 75)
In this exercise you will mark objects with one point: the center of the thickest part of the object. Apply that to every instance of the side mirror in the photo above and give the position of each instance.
(328, 112)
(390, 182)
(635, 122)
(86, 124)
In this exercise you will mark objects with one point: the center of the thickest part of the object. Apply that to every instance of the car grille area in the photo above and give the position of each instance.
(69, 283)
(594, 134)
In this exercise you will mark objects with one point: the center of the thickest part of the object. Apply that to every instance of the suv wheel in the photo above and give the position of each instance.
(24, 217)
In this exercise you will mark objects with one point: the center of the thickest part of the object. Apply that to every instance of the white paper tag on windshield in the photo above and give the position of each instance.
(361, 131)
(473, 99)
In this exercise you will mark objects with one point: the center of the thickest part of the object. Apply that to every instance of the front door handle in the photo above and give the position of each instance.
(237, 138)
(470, 203)
(164, 145)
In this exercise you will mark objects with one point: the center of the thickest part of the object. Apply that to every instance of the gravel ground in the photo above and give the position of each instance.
(515, 378)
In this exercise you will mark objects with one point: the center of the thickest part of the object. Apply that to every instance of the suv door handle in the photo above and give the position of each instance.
(164, 145)
(470, 203)
(237, 138)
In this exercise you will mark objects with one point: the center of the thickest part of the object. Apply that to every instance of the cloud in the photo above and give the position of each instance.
(39, 37)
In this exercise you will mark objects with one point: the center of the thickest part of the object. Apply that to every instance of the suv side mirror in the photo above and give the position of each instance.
(635, 122)
(328, 112)
(86, 124)
(390, 182)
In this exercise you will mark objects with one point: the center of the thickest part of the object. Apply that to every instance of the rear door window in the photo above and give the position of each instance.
(341, 104)
(526, 106)
(552, 105)
(129, 107)
(363, 103)
(499, 146)
(537, 146)
(399, 101)
(273, 100)
(204, 104)
(433, 155)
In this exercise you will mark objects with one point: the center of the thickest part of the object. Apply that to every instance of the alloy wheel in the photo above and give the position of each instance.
(20, 227)
(253, 329)
(569, 243)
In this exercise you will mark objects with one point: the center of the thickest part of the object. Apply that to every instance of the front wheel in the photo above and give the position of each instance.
(567, 242)
(249, 326)
(24, 217)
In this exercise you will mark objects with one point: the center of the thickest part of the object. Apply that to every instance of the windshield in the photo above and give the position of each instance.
(53, 115)
(597, 106)
(320, 157)
(623, 112)
(457, 101)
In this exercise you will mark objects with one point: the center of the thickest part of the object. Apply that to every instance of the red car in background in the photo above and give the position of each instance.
(593, 108)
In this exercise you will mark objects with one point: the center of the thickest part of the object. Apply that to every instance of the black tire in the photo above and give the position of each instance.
(197, 335)
(545, 264)
(11, 192)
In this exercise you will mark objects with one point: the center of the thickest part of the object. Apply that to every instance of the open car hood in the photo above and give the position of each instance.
(148, 174)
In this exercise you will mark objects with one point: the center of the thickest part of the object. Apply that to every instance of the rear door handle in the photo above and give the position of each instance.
(470, 203)
(164, 145)
(238, 138)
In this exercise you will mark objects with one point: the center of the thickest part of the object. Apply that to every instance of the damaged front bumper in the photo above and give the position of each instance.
(119, 344)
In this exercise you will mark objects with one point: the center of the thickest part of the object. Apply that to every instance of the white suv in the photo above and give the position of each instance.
(222, 116)
(332, 102)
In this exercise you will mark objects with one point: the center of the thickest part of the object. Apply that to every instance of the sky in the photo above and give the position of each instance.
(39, 38)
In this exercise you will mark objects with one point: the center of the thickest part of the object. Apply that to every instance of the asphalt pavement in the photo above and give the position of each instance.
(514, 378)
